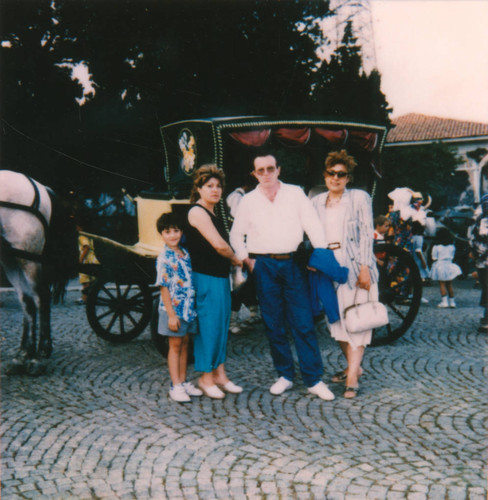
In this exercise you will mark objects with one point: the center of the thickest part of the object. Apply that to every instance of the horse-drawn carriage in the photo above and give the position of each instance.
(120, 302)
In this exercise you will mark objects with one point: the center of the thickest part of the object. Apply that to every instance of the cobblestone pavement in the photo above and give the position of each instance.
(99, 423)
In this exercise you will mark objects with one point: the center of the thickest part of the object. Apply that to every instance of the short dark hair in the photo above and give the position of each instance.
(379, 220)
(443, 236)
(168, 220)
(263, 155)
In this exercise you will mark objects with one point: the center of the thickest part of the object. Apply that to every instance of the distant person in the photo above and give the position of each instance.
(244, 298)
(479, 245)
(177, 316)
(86, 256)
(443, 268)
(418, 251)
(381, 226)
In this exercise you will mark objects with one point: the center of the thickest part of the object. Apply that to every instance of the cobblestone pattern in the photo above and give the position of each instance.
(99, 423)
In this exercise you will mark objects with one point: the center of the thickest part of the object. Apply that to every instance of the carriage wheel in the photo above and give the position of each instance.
(400, 289)
(160, 341)
(118, 312)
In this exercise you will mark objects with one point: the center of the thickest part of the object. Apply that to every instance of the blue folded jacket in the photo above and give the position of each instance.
(322, 290)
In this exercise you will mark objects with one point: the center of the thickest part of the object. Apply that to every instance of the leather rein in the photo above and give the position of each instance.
(34, 210)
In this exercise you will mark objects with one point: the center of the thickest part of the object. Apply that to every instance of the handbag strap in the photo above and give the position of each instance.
(356, 295)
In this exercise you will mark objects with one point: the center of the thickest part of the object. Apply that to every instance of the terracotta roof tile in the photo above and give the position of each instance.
(417, 127)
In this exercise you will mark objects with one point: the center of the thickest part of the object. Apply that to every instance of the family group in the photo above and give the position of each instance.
(268, 228)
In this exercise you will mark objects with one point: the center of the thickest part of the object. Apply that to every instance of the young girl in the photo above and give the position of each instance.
(177, 316)
(443, 269)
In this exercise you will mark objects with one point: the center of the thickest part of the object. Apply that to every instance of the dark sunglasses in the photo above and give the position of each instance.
(265, 170)
(339, 175)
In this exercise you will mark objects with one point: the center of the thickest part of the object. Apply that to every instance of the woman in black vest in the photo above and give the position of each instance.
(211, 258)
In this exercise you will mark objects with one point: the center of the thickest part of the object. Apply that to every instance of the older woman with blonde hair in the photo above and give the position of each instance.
(346, 216)
(211, 258)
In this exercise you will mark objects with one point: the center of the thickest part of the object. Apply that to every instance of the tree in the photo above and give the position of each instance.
(429, 169)
(343, 89)
(154, 63)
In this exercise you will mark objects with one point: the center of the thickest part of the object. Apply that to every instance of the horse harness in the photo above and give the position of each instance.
(34, 210)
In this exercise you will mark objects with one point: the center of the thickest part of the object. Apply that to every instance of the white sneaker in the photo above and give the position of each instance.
(443, 304)
(177, 393)
(280, 386)
(322, 391)
(452, 302)
(191, 390)
(423, 300)
(235, 329)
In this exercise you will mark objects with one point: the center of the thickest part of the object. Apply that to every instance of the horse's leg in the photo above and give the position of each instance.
(14, 275)
(36, 300)
(34, 365)
(45, 343)
(25, 278)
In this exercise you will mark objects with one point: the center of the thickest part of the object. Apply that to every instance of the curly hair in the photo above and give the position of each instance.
(336, 157)
(202, 176)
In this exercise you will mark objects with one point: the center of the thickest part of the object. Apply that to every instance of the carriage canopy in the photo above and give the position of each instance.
(300, 146)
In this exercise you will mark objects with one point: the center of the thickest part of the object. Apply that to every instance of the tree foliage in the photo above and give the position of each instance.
(154, 62)
(343, 89)
(429, 169)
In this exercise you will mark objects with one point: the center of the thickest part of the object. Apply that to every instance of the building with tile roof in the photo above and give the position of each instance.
(415, 129)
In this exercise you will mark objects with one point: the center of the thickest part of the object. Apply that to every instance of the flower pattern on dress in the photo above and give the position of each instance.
(174, 272)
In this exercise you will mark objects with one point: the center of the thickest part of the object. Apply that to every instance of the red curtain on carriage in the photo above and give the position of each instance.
(300, 136)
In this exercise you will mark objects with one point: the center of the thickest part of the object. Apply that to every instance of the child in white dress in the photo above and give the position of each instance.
(443, 268)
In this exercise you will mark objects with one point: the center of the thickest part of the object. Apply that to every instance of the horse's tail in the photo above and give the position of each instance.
(61, 251)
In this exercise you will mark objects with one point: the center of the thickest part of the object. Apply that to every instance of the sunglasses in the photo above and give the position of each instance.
(265, 170)
(339, 175)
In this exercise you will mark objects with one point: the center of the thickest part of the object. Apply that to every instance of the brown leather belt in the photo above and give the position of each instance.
(277, 256)
(334, 245)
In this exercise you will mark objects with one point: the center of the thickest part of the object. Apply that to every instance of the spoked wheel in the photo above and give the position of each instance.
(400, 289)
(118, 312)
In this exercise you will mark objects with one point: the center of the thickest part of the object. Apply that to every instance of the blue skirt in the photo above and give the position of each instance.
(213, 309)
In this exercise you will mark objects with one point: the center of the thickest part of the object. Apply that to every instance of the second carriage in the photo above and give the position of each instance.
(120, 302)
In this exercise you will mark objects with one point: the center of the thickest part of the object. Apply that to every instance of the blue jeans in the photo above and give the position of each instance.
(283, 296)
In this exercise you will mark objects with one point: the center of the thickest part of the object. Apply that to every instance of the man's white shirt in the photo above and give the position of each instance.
(262, 226)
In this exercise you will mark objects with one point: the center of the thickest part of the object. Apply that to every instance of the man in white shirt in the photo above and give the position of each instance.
(267, 230)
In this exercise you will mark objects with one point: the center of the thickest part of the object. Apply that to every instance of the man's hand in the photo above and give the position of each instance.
(250, 263)
(364, 278)
(173, 323)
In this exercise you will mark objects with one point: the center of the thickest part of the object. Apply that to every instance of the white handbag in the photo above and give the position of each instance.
(366, 316)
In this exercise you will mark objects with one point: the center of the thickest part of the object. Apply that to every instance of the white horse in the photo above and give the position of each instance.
(37, 249)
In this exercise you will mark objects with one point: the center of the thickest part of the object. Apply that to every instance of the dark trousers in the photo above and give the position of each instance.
(283, 297)
(246, 294)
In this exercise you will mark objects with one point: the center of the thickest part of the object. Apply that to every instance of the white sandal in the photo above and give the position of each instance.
(230, 387)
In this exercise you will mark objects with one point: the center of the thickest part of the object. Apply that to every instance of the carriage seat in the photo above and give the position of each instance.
(149, 208)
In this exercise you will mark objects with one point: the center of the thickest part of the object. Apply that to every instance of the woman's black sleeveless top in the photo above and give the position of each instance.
(204, 258)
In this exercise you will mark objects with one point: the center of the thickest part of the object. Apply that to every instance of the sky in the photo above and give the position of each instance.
(433, 56)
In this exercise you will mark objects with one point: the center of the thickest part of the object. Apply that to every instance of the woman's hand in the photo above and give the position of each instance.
(236, 262)
(173, 323)
(364, 278)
